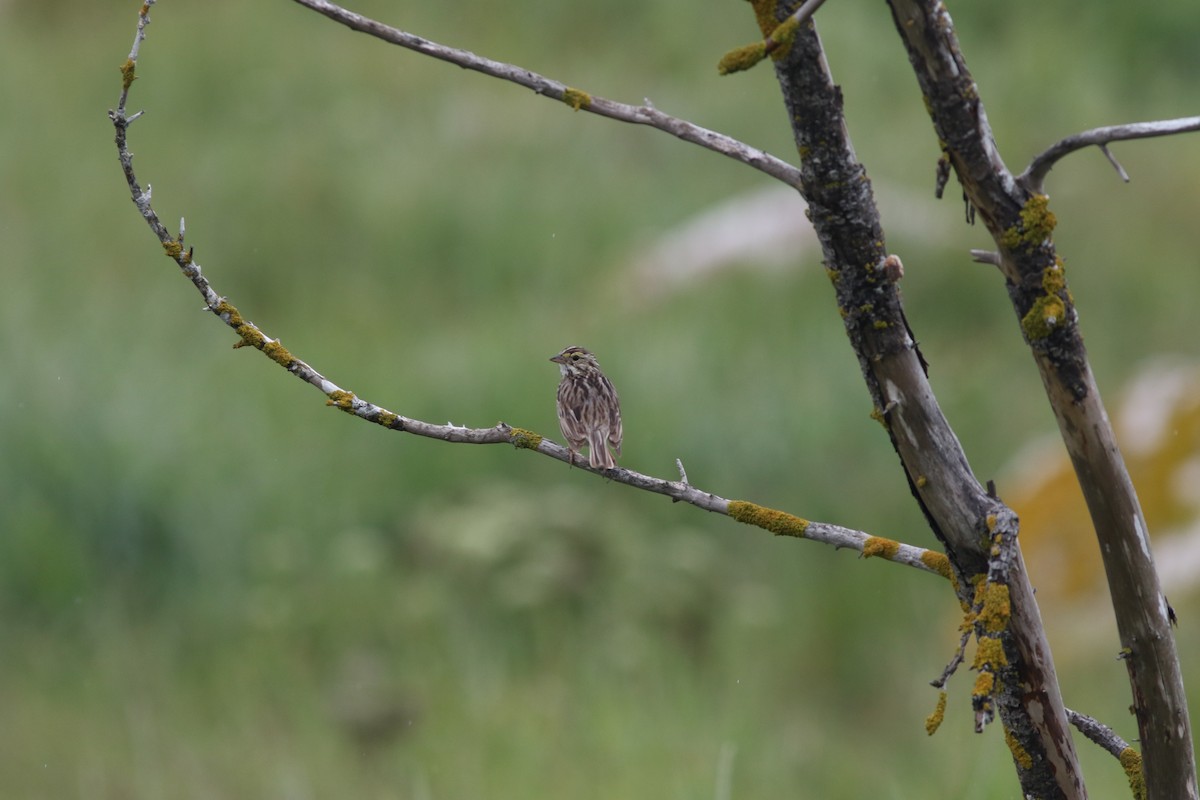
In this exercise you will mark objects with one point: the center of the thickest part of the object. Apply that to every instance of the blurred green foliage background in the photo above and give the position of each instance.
(213, 586)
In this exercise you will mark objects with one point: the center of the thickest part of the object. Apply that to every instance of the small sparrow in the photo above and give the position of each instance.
(588, 409)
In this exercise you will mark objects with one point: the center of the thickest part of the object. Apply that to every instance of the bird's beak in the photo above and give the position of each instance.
(558, 359)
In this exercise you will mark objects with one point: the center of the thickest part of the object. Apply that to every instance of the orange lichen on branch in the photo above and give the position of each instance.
(128, 73)
(938, 562)
(576, 98)
(985, 685)
(778, 522)
(879, 547)
(1131, 762)
(996, 608)
(934, 720)
(1019, 753)
(989, 653)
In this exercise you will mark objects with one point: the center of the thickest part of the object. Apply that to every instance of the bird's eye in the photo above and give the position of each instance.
(575, 356)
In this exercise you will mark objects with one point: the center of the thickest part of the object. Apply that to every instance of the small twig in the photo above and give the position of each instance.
(986, 257)
(800, 16)
(1116, 164)
(747, 56)
(682, 472)
(128, 69)
(960, 655)
(942, 175)
(577, 99)
(1035, 174)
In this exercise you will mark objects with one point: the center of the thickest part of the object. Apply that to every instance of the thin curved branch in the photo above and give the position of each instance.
(576, 98)
(777, 522)
(1035, 174)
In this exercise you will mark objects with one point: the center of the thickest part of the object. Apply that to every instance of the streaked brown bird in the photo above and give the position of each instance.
(588, 409)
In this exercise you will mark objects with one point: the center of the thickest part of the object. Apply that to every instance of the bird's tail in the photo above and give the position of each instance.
(598, 453)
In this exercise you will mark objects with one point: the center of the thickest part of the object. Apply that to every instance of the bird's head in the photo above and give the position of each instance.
(575, 361)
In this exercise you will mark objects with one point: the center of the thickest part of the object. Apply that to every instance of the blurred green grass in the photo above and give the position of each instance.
(211, 585)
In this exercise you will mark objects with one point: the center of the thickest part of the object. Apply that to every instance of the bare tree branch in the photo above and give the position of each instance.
(1035, 174)
(1021, 224)
(576, 98)
(777, 522)
(1016, 669)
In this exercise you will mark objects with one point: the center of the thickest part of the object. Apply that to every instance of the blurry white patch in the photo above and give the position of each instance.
(766, 229)
(1153, 400)
(1177, 559)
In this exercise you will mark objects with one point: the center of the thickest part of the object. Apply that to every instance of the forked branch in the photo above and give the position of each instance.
(1035, 174)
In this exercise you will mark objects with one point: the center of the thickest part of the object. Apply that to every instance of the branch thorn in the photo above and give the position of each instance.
(1116, 164)
(986, 257)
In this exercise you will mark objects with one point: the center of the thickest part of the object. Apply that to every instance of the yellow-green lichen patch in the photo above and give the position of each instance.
(985, 684)
(229, 313)
(341, 398)
(937, 562)
(777, 522)
(989, 654)
(527, 440)
(172, 248)
(576, 98)
(997, 607)
(783, 36)
(250, 336)
(742, 58)
(879, 547)
(1046, 314)
(278, 353)
(387, 419)
(1131, 762)
(956, 585)
(1054, 277)
(922, 481)
(128, 73)
(1037, 223)
(1019, 753)
(764, 13)
(934, 720)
